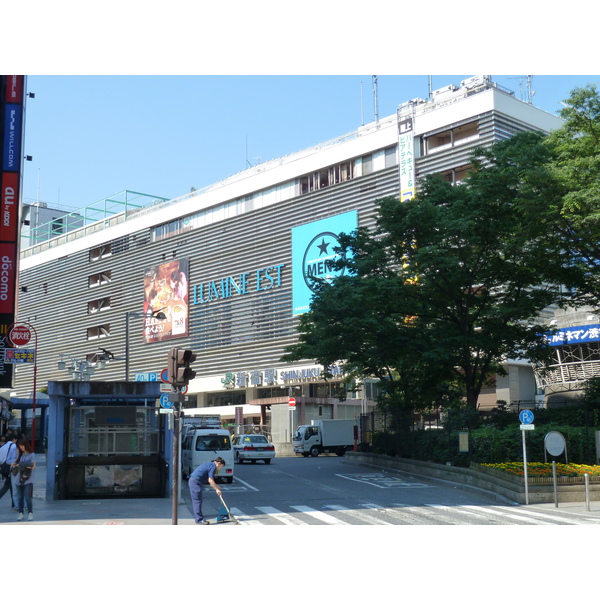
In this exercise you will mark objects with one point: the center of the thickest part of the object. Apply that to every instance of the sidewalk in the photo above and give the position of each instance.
(94, 511)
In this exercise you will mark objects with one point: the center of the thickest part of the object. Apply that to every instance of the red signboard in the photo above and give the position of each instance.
(14, 88)
(19, 336)
(9, 208)
(292, 401)
(8, 278)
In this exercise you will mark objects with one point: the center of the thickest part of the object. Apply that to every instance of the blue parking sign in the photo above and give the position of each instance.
(165, 402)
(526, 417)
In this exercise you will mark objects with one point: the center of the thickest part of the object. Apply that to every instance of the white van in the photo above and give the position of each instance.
(203, 444)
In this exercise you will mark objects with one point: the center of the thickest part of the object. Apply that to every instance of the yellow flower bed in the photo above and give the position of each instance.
(537, 469)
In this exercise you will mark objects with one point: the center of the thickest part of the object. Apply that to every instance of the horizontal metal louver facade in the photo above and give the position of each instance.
(237, 333)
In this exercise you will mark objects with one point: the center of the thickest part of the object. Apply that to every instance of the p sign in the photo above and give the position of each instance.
(19, 335)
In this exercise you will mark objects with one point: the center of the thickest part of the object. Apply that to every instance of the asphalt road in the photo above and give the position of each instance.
(328, 490)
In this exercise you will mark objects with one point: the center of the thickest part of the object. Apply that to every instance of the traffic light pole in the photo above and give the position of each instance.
(176, 461)
(179, 375)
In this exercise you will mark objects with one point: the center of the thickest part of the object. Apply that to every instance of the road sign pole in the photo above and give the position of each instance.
(525, 467)
(526, 417)
(20, 334)
(176, 461)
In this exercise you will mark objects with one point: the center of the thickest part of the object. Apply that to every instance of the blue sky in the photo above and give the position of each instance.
(92, 136)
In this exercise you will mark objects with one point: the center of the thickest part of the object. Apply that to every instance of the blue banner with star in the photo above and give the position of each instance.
(313, 255)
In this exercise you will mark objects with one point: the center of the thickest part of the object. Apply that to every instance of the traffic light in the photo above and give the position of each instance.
(179, 368)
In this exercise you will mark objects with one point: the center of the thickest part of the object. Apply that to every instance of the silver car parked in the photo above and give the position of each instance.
(252, 447)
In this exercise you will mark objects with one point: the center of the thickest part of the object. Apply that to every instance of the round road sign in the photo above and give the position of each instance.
(165, 401)
(555, 443)
(292, 401)
(526, 417)
(19, 335)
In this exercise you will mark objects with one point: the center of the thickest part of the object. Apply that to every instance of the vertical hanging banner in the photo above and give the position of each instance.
(12, 118)
(406, 159)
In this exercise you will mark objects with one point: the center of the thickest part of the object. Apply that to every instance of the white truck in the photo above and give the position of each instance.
(327, 435)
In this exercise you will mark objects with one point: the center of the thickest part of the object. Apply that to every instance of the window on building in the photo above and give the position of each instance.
(166, 229)
(326, 390)
(342, 172)
(325, 177)
(100, 252)
(225, 398)
(99, 332)
(390, 157)
(99, 279)
(272, 392)
(450, 138)
(367, 164)
(370, 389)
(98, 305)
(457, 174)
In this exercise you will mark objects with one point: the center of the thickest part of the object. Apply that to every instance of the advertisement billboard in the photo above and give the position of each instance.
(313, 255)
(166, 290)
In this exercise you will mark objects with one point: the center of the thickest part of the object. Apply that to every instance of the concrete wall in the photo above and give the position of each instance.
(503, 485)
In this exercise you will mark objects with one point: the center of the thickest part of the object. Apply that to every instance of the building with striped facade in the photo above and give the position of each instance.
(227, 264)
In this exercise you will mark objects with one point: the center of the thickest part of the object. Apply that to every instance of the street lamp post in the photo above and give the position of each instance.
(83, 369)
(156, 314)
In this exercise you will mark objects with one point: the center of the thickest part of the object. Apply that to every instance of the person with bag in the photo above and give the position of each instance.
(26, 466)
(8, 455)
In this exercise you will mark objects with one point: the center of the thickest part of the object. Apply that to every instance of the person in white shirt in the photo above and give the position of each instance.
(8, 454)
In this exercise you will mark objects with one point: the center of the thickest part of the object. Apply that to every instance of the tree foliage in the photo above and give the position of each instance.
(448, 286)
(574, 218)
(444, 289)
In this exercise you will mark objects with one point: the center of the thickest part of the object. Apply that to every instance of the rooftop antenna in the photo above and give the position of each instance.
(530, 93)
(362, 109)
(375, 98)
(430, 85)
(520, 78)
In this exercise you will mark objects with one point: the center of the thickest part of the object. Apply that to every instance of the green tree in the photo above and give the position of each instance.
(573, 218)
(446, 286)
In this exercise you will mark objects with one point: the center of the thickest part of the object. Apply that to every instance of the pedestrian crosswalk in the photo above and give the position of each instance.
(401, 514)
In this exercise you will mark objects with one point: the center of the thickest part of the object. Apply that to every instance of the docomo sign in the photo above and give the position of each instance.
(19, 335)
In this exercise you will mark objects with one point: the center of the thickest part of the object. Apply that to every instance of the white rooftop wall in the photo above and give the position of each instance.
(369, 138)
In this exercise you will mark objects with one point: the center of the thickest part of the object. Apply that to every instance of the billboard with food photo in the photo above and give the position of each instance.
(166, 290)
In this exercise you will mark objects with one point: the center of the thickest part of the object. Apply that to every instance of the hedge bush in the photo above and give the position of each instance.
(493, 445)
